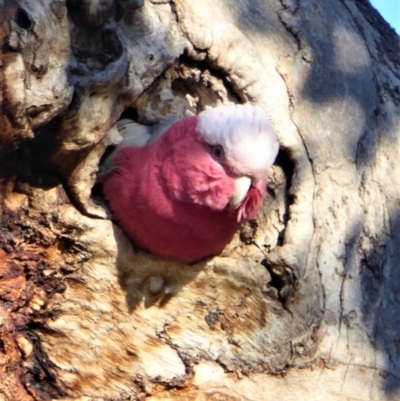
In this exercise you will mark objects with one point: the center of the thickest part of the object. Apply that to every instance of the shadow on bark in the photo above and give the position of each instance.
(381, 299)
(332, 40)
(342, 65)
(149, 279)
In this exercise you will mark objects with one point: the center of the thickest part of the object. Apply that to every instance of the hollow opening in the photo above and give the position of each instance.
(75, 103)
(283, 279)
(23, 19)
(129, 113)
(286, 163)
(32, 162)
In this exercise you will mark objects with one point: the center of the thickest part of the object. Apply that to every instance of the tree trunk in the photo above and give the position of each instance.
(303, 304)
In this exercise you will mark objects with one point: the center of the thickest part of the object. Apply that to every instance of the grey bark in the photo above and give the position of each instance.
(303, 304)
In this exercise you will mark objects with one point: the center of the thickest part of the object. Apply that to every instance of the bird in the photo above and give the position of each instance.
(182, 189)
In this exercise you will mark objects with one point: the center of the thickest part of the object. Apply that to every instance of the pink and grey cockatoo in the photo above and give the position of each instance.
(183, 192)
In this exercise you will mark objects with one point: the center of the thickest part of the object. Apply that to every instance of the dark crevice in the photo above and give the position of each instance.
(211, 318)
(285, 161)
(291, 5)
(97, 192)
(290, 27)
(130, 113)
(95, 47)
(283, 279)
(31, 162)
(111, 46)
(23, 19)
(188, 85)
(38, 378)
(75, 104)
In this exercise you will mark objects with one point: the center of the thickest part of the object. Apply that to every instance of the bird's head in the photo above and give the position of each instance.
(223, 155)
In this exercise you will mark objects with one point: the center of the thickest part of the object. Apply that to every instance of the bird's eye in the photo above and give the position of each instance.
(217, 152)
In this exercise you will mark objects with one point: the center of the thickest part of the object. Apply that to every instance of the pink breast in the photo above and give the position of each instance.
(185, 219)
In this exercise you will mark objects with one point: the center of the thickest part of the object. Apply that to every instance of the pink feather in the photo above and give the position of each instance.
(172, 198)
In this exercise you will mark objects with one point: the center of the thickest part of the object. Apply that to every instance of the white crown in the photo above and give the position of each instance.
(245, 134)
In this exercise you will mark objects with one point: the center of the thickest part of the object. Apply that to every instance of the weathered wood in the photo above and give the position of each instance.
(303, 304)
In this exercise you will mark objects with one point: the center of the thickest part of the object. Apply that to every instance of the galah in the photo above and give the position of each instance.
(183, 191)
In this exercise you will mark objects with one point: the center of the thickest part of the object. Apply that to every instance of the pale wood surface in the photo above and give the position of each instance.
(302, 305)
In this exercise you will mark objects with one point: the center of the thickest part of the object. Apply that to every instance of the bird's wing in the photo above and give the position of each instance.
(133, 135)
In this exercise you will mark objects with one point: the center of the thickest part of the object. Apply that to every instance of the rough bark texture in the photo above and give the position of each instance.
(302, 305)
